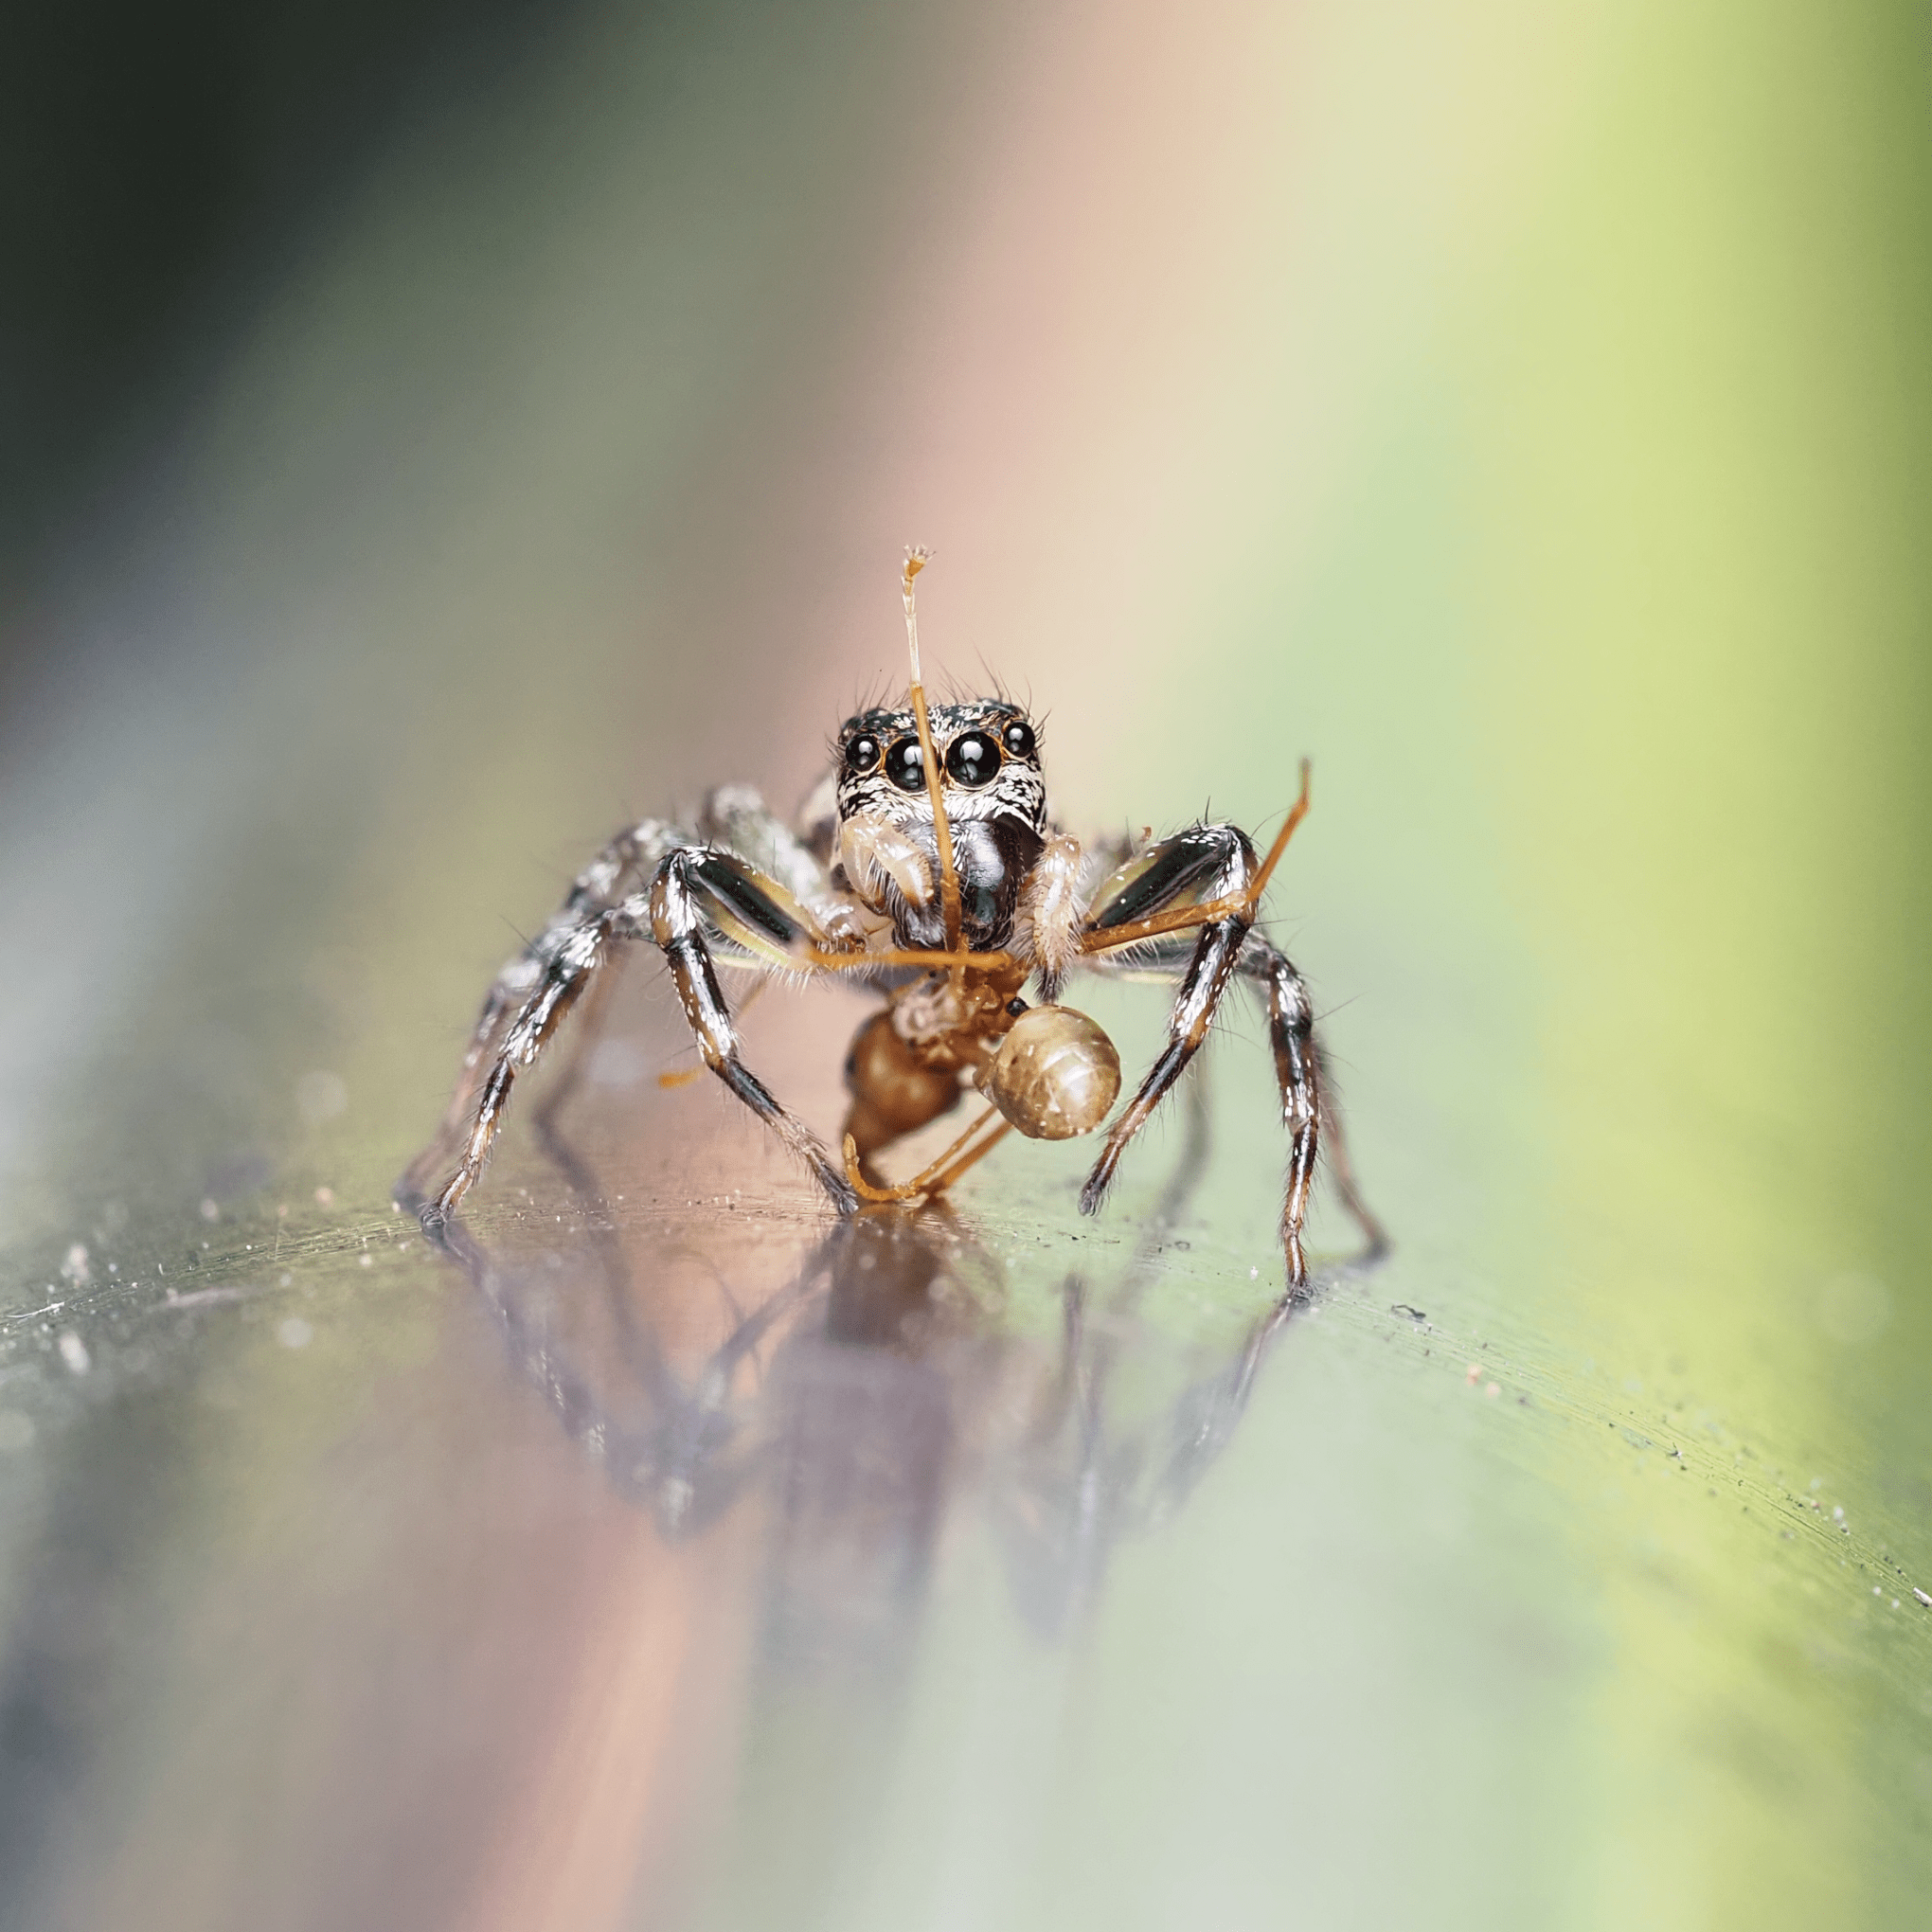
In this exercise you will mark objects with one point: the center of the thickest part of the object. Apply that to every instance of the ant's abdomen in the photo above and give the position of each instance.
(1056, 1074)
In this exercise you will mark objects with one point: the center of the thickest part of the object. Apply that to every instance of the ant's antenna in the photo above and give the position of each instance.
(915, 559)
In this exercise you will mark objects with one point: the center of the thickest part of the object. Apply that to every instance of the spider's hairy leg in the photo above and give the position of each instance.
(534, 989)
(697, 886)
(1207, 862)
(1299, 1073)
(1309, 1108)
(738, 817)
(564, 974)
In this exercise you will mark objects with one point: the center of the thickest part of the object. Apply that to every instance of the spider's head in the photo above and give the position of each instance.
(987, 751)
(994, 802)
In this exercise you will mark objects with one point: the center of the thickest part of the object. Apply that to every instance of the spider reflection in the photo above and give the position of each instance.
(857, 1393)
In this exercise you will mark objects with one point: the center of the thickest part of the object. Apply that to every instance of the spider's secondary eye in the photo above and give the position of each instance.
(862, 754)
(1018, 738)
(905, 765)
(972, 758)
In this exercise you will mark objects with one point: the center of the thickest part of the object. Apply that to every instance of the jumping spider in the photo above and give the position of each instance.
(925, 866)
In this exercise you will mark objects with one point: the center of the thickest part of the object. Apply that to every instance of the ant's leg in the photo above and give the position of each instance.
(701, 885)
(1208, 863)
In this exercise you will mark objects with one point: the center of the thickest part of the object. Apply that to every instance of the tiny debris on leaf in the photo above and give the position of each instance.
(1923, 1597)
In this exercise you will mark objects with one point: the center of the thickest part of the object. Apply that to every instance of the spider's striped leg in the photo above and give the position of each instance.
(565, 971)
(546, 974)
(1302, 1071)
(1298, 1072)
(738, 817)
(706, 886)
(1308, 1101)
(1208, 863)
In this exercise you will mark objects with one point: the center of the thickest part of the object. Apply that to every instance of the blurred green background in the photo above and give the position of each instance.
(1523, 415)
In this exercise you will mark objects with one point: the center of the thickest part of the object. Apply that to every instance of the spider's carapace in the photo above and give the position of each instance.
(926, 866)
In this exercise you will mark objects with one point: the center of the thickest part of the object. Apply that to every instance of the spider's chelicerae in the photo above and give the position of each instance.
(925, 867)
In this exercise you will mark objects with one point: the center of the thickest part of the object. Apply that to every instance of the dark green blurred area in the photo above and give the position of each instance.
(160, 168)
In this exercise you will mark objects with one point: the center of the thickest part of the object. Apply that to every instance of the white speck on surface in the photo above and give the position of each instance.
(74, 1352)
(294, 1332)
(208, 1211)
(287, 1280)
(75, 1267)
(321, 1096)
(370, 1260)
(203, 1298)
(1838, 1513)
(325, 1197)
(16, 1431)
(1921, 1597)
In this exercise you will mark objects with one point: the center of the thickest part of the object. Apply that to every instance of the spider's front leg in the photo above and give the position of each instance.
(525, 1006)
(701, 885)
(692, 887)
(1208, 865)
(1308, 1101)
(1213, 867)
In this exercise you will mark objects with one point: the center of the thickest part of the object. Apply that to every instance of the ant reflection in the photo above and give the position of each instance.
(853, 1394)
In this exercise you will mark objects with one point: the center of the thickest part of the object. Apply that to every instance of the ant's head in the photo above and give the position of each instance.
(988, 763)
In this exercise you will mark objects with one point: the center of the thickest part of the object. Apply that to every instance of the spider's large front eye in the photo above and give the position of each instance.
(1018, 738)
(905, 765)
(972, 758)
(862, 754)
